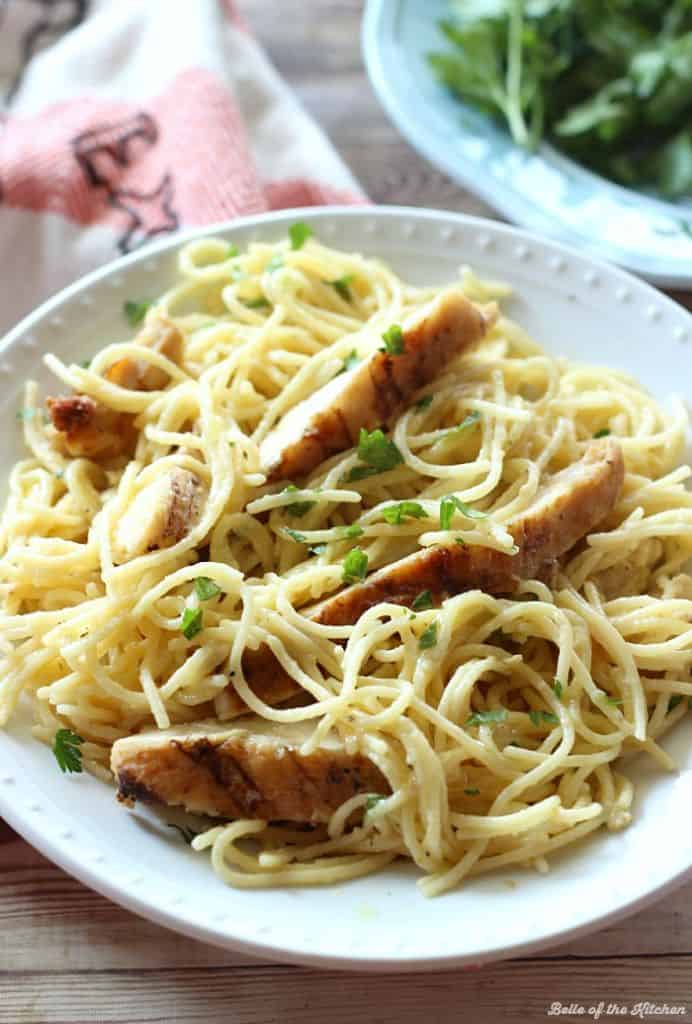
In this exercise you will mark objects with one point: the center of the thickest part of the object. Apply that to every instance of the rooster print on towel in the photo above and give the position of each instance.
(105, 154)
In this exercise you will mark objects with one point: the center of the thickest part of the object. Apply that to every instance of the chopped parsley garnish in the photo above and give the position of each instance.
(543, 716)
(191, 622)
(85, 363)
(487, 717)
(352, 531)
(428, 639)
(461, 541)
(299, 234)
(422, 601)
(468, 421)
(355, 566)
(394, 342)
(423, 403)
(472, 792)
(376, 450)
(372, 801)
(351, 360)
(395, 515)
(205, 588)
(66, 746)
(231, 252)
(557, 688)
(260, 303)
(297, 508)
(674, 701)
(135, 311)
(602, 433)
(299, 538)
(341, 286)
(360, 473)
(615, 701)
(451, 503)
(186, 833)
(275, 263)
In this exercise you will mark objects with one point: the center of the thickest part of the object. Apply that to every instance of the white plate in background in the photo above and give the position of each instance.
(573, 306)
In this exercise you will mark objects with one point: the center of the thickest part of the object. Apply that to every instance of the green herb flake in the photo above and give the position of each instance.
(674, 701)
(351, 360)
(615, 701)
(191, 622)
(186, 834)
(135, 311)
(422, 602)
(466, 423)
(377, 451)
(373, 801)
(341, 286)
(299, 234)
(359, 473)
(472, 792)
(450, 504)
(602, 433)
(205, 588)
(537, 717)
(232, 251)
(557, 688)
(395, 515)
(66, 746)
(355, 566)
(487, 717)
(260, 303)
(394, 341)
(428, 638)
(423, 403)
(352, 531)
(84, 363)
(296, 508)
(299, 538)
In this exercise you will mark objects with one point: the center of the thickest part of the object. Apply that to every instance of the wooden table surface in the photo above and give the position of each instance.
(71, 956)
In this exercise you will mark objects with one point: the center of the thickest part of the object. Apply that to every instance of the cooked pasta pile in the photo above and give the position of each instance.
(499, 723)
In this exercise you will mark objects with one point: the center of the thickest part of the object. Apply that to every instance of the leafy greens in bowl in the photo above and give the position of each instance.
(608, 82)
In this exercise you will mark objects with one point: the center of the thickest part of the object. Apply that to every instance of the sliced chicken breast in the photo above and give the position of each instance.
(161, 514)
(86, 428)
(562, 512)
(253, 771)
(376, 390)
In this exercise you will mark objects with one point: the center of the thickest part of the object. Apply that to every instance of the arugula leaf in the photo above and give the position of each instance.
(355, 566)
(296, 508)
(395, 515)
(135, 311)
(191, 622)
(394, 341)
(205, 588)
(487, 717)
(341, 286)
(299, 234)
(450, 504)
(428, 639)
(422, 601)
(66, 744)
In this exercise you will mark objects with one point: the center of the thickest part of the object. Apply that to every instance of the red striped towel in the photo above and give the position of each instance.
(124, 121)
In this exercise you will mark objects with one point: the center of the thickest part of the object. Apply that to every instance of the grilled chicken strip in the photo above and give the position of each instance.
(160, 515)
(563, 511)
(253, 771)
(374, 391)
(86, 428)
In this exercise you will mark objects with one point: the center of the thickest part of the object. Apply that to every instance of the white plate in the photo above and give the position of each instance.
(573, 306)
(544, 191)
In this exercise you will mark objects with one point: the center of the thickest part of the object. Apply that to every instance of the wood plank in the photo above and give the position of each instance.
(517, 991)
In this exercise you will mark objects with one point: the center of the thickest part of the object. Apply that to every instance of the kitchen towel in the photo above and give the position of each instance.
(124, 120)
